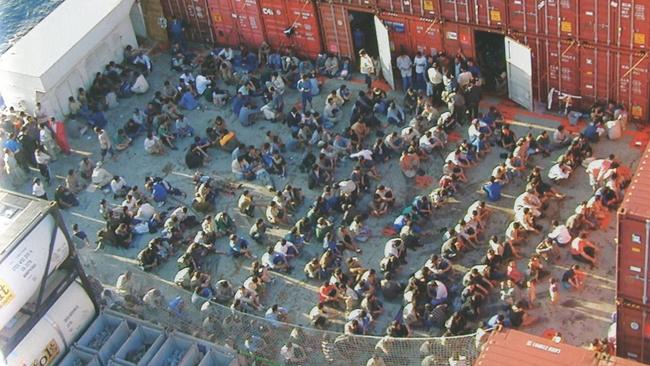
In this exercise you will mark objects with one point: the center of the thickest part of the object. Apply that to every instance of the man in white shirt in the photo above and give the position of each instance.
(405, 66)
(420, 63)
(560, 234)
(435, 78)
(202, 84)
(105, 143)
(145, 211)
(293, 354)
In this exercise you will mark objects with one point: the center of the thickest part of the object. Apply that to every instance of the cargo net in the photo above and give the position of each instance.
(259, 341)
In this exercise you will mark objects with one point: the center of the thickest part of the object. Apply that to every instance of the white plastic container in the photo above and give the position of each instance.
(23, 268)
(57, 329)
(143, 340)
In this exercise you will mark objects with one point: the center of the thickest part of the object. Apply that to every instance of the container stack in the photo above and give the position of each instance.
(633, 264)
(592, 49)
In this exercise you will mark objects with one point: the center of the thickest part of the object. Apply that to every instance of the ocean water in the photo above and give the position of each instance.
(17, 17)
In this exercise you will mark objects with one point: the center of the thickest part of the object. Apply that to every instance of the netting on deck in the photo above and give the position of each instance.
(259, 340)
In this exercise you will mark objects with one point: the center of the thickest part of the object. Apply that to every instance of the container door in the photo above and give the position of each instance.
(385, 58)
(249, 22)
(336, 29)
(596, 76)
(224, 23)
(632, 71)
(426, 36)
(632, 279)
(633, 24)
(194, 14)
(519, 67)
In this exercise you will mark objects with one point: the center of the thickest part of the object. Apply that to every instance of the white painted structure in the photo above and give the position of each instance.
(63, 53)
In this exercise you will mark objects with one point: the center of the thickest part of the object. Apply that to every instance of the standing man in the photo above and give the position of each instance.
(304, 87)
(435, 78)
(420, 63)
(366, 67)
(105, 143)
(405, 66)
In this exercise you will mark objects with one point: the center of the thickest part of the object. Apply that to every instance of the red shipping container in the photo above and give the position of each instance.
(633, 19)
(561, 17)
(336, 29)
(279, 15)
(598, 19)
(424, 8)
(526, 16)
(490, 13)
(633, 331)
(237, 22)
(633, 86)
(399, 31)
(413, 34)
(224, 23)
(426, 35)
(458, 37)
(456, 10)
(633, 254)
(596, 65)
(249, 22)
(194, 14)
(562, 66)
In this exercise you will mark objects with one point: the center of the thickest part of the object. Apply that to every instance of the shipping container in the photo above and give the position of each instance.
(249, 22)
(336, 29)
(525, 16)
(153, 13)
(422, 8)
(195, 17)
(552, 18)
(598, 21)
(633, 331)
(458, 38)
(300, 15)
(633, 219)
(459, 11)
(224, 23)
(490, 13)
(596, 65)
(511, 347)
(633, 82)
(633, 19)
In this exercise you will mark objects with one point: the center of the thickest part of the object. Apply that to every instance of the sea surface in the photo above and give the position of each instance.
(17, 17)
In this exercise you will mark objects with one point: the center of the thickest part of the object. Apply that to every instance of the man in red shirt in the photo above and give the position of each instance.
(583, 250)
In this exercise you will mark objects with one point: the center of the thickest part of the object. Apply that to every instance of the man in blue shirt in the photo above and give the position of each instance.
(158, 192)
(238, 102)
(247, 114)
(304, 87)
(493, 189)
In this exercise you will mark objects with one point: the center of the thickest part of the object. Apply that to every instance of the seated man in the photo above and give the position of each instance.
(583, 250)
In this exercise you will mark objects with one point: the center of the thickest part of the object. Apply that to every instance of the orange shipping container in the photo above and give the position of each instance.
(458, 37)
(279, 15)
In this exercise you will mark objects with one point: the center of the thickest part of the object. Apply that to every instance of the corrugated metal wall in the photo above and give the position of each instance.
(591, 48)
